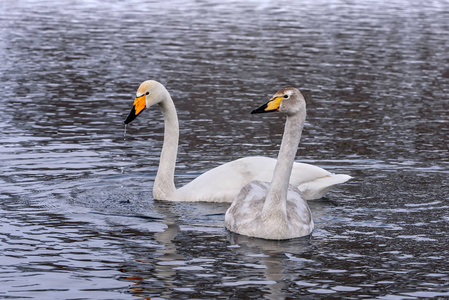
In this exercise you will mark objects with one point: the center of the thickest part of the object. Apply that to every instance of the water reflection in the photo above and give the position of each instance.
(272, 259)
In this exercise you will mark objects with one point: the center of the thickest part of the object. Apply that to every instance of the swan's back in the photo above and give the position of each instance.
(245, 214)
(223, 183)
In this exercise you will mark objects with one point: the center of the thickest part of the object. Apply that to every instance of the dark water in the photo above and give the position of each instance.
(77, 217)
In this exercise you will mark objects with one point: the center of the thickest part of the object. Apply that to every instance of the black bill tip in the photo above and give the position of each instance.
(260, 109)
(132, 115)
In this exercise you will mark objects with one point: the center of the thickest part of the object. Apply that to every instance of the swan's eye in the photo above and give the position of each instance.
(285, 96)
(147, 93)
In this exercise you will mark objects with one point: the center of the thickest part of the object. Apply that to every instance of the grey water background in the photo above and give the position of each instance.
(77, 216)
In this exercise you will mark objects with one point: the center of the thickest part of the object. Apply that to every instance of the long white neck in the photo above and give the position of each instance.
(164, 184)
(276, 201)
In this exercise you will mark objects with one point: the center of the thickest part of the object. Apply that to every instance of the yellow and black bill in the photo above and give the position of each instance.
(138, 107)
(272, 105)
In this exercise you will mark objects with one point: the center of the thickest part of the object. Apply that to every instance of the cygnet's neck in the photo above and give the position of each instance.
(164, 184)
(276, 200)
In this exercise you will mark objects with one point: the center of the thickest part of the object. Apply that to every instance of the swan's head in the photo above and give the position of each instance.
(149, 93)
(288, 101)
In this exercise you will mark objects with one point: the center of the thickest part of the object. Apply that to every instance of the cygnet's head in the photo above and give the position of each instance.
(149, 93)
(288, 101)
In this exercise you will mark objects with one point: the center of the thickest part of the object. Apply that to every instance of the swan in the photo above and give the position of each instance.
(276, 210)
(224, 182)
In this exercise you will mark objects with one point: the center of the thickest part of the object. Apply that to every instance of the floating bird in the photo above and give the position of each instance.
(276, 210)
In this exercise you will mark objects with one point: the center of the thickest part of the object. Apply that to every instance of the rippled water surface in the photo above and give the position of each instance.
(77, 216)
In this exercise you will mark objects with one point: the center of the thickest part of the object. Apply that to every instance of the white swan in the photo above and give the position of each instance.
(222, 183)
(275, 211)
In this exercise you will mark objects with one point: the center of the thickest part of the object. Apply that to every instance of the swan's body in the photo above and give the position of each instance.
(245, 216)
(223, 183)
(275, 211)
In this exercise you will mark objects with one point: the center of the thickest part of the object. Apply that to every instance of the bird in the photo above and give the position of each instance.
(275, 210)
(223, 183)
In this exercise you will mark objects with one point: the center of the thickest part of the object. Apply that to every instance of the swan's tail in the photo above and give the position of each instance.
(319, 187)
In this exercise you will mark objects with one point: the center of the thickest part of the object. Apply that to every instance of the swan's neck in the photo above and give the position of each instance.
(164, 184)
(276, 201)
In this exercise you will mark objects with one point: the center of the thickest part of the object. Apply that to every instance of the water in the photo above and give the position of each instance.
(77, 217)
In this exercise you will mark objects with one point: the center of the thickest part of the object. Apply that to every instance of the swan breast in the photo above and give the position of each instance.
(245, 214)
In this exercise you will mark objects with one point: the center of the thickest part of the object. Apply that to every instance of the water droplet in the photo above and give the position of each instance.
(124, 134)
